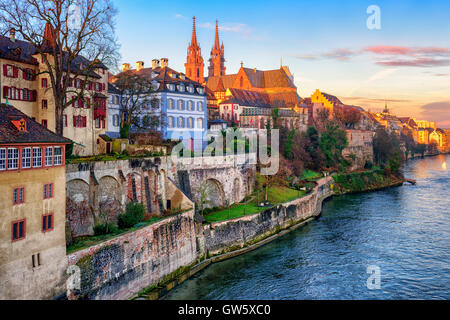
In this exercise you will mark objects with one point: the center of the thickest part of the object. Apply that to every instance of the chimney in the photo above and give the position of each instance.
(139, 65)
(155, 63)
(125, 67)
(12, 34)
(164, 62)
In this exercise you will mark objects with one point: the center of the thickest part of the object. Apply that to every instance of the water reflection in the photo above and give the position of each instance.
(405, 231)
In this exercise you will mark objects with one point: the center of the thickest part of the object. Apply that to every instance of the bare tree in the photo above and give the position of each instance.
(73, 38)
(137, 101)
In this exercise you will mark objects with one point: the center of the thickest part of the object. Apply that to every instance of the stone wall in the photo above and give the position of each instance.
(121, 267)
(360, 148)
(234, 234)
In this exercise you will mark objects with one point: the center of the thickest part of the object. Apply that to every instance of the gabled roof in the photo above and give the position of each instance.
(269, 78)
(285, 99)
(35, 133)
(227, 81)
(112, 89)
(18, 50)
(332, 99)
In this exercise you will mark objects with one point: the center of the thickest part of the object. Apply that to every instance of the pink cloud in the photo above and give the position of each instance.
(391, 50)
(418, 62)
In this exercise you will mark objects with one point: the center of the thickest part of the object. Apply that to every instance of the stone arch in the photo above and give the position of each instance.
(134, 187)
(162, 187)
(211, 193)
(151, 192)
(79, 216)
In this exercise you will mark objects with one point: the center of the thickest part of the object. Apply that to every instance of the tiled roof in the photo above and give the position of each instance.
(285, 99)
(332, 99)
(165, 76)
(227, 81)
(248, 98)
(35, 133)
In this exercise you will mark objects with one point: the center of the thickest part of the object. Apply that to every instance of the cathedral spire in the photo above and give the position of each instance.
(194, 34)
(216, 42)
(217, 61)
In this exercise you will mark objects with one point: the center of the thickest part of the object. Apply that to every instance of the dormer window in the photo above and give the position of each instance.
(171, 87)
(182, 77)
(21, 124)
(191, 89)
(200, 90)
(181, 87)
(155, 85)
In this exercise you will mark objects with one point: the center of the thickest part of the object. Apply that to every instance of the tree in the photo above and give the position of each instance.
(385, 146)
(347, 117)
(332, 141)
(137, 101)
(67, 49)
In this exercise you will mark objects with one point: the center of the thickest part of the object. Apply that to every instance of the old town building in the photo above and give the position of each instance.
(32, 197)
(181, 112)
(25, 83)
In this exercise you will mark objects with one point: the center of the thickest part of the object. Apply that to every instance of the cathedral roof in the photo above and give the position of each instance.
(248, 98)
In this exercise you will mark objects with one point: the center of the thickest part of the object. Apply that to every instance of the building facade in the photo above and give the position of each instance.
(25, 84)
(33, 198)
(114, 114)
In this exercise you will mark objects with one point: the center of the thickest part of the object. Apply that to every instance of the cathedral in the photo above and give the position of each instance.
(277, 85)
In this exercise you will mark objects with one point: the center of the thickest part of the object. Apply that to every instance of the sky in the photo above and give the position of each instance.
(326, 44)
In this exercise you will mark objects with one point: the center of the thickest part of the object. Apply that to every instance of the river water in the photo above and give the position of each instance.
(404, 231)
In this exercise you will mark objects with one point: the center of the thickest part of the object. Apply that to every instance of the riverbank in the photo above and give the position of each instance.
(337, 185)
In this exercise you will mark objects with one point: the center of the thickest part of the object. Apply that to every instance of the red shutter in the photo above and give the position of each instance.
(34, 95)
(84, 122)
(24, 74)
(75, 121)
(5, 91)
(5, 70)
(16, 72)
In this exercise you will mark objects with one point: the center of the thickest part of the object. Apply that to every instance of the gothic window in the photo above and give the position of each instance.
(200, 123)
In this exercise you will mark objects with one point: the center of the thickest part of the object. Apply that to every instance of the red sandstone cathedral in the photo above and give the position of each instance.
(276, 87)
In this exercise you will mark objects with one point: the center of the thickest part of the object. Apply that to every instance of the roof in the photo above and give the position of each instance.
(22, 51)
(164, 76)
(268, 112)
(227, 81)
(332, 99)
(248, 98)
(35, 133)
(286, 99)
(112, 89)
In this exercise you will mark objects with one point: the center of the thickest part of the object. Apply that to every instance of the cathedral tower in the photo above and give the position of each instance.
(194, 64)
(217, 61)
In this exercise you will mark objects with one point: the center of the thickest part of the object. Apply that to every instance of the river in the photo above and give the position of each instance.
(403, 232)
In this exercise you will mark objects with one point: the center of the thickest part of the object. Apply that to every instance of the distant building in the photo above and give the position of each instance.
(33, 202)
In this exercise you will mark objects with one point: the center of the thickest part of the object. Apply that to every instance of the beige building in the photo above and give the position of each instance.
(25, 84)
(33, 198)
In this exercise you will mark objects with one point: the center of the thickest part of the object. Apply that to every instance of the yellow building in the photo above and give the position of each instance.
(32, 211)
(26, 85)
(425, 124)
(321, 101)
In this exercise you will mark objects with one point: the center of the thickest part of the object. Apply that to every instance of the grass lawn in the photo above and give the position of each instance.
(310, 175)
(276, 195)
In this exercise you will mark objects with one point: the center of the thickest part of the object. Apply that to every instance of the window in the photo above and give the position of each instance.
(36, 260)
(28, 74)
(190, 123)
(200, 123)
(37, 157)
(170, 124)
(200, 106)
(116, 120)
(79, 121)
(58, 156)
(65, 121)
(170, 103)
(13, 158)
(180, 105)
(44, 123)
(190, 105)
(44, 104)
(47, 222)
(44, 82)
(180, 122)
(3, 159)
(48, 156)
(18, 230)
(48, 190)
(26, 158)
(10, 71)
(18, 196)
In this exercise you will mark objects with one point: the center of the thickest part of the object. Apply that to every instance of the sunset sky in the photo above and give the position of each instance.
(326, 45)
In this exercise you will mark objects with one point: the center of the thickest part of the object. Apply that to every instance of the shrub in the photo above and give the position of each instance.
(368, 165)
(101, 229)
(134, 214)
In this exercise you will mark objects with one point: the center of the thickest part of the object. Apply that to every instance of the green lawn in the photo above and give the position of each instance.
(310, 175)
(276, 195)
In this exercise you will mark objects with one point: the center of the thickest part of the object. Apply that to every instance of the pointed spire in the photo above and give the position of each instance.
(48, 40)
(216, 42)
(194, 34)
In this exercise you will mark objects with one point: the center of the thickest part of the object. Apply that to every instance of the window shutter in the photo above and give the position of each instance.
(5, 70)
(75, 121)
(16, 72)
(84, 121)
(5, 91)
(34, 95)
